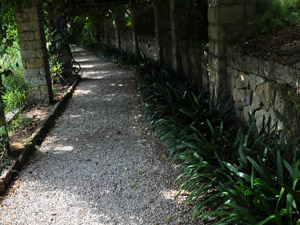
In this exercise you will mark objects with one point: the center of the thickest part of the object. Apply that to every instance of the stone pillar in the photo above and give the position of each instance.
(228, 20)
(108, 29)
(120, 27)
(162, 28)
(34, 54)
(134, 8)
(178, 10)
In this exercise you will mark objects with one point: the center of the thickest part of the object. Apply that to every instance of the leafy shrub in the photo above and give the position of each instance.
(15, 92)
(232, 173)
(273, 14)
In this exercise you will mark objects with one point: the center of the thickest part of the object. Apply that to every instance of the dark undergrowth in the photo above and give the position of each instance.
(274, 14)
(232, 173)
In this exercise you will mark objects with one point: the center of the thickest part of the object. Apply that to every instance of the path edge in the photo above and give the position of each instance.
(36, 139)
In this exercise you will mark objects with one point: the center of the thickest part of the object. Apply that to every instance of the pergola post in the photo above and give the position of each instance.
(228, 20)
(30, 26)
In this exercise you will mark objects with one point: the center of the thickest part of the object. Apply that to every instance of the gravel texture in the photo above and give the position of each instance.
(100, 163)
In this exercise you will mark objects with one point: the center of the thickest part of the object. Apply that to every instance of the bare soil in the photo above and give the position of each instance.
(34, 115)
(281, 46)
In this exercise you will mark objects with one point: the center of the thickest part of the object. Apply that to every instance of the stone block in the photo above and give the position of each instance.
(27, 53)
(42, 71)
(251, 64)
(293, 77)
(254, 81)
(242, 97)
(31, 45)
(251, 10)
(26, 36)
(33, 9)
(218, 64)
(37, 35)
(224, 2)
(245, 114)
(266, 69)
(32, 72)
(216, 32)
(242, 81)
(279, 104)
(35, 62)
(39, 53)
(44, 90)
(29, 26)
(33, 16)
(261, 116)
(219, 50)
(280, 72)
(233, 14)
(256, 102)
(266, 94)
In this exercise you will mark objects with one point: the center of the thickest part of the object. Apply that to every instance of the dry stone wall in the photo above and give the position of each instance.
(228, 20)
(254, 86)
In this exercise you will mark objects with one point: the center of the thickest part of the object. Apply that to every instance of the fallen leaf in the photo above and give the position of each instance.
(96, 171)
(53, 214)
(126, 168)
(142, 171)
(137, 186)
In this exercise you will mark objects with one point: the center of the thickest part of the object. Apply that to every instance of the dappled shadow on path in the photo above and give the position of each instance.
(100, 163)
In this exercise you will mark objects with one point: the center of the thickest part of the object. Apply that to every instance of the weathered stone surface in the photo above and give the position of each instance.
(35, 63)
(30, 45)
(26, 36)
(251, 65)
(224, 2)
(261, 116)
(32, 72)
(290, 48)
(28, 53)
(254, 81)
(242, 81)
(245, 112)
(42, 71)
(242, 97)
(266, 69)
(279, 104)
(39, 53)
(251, 10)
(218, 64)
(256, 102)
(281, 72)
(216, 32)
(226, 14)
(266, 94)
(280, 125)
(29, 26)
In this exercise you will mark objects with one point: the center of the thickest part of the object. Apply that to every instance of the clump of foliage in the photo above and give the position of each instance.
(14, 89)
(232, 173)
(291, 113)
(273, 14)
(58, 36)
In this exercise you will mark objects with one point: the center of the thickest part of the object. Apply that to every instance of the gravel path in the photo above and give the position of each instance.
(99, 164)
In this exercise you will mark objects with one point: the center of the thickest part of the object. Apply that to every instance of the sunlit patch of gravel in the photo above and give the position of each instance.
(100, 163)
